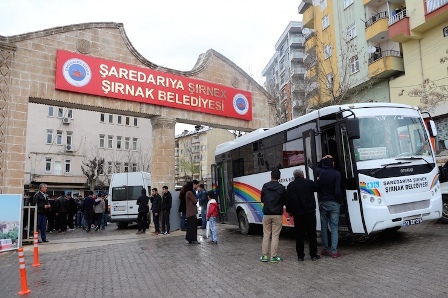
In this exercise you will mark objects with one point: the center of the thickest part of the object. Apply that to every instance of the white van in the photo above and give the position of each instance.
(124, 190)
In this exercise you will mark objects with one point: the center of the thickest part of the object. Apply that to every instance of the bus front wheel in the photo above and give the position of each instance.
(444, 218)
(243, 223)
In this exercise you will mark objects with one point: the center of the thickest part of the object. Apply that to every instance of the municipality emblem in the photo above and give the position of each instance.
(240, 104)
(77, 72)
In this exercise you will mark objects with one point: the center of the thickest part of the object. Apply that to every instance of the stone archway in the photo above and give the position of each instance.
(28, 74)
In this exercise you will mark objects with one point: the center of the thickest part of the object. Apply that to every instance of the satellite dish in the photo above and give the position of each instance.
(306, 30)
(371, 50)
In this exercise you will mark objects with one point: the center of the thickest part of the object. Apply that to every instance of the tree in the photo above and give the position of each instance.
(430, 92)
(92, 169)
(333, 75)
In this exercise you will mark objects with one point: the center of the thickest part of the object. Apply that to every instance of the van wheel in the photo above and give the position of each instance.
(243, 223)
(122, 225)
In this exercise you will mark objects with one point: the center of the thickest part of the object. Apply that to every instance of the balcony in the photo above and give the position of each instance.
(436, 12)
(297, 55)
(310, 42)
(297, 41)
(308, 18)
(298, 71)
(311, 72)
(377, 27)
(384, 64)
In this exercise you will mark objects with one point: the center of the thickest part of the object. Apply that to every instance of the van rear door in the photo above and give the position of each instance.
(123, 204)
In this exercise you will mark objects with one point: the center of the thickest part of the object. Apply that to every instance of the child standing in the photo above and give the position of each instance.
(212, 213)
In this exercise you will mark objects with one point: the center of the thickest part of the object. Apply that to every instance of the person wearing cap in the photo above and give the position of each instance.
(329, 181)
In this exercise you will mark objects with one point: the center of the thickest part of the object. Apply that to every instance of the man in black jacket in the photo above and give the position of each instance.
(40, 200)
(329, 205)
(301, 204)
(273, 196)
(156, 207)
(143, 209)
(62, 209)
(167, 202)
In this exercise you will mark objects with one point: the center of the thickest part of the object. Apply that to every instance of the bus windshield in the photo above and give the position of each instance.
(391, 136)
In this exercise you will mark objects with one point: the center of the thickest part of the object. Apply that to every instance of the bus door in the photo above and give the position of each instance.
(310, 155)
(350, 216)
(223, 183)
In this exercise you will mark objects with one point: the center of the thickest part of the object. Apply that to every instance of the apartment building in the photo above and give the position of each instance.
(285, 71)
(346, 55)
(60, 140)
(421, 29)
(195, 153)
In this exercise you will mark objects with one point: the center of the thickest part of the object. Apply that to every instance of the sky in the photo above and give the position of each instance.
(170, 33)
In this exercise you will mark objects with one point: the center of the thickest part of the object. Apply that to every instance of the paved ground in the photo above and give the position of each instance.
(117, 263)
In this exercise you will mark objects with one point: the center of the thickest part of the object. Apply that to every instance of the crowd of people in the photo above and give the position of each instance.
(62, 213)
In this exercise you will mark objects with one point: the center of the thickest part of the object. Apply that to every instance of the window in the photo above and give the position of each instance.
(59, 137)
(126, 143)
(134, 143)
(347, 3)
(50, 112)
(69, 138)
(135, 121)
(330, 80)
(110, 142)
(127, 121)
(325, 22)
(126, 167)
(119, 143)
(134, 167)
(60, 112)
(102, 118)
(49, 136)
(351, 32)
(323, 4)
(119, 119)
(67, 165)
(111, 118)
(70, 113)
(47, 164)
(102, 141)
(327, 51)
(354, 64)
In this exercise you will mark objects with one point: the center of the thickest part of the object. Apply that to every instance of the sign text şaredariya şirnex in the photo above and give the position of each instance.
(150, 92)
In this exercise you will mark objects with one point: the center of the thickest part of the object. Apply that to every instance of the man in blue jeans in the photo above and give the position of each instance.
(203, 200)
(329, 204)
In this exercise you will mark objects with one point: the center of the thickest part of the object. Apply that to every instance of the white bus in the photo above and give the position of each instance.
(124, 190)
(389, 176)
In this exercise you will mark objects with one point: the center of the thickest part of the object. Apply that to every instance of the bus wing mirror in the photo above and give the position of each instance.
(352, 126)
(432, 128)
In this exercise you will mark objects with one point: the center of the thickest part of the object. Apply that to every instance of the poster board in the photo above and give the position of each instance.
(11, 207)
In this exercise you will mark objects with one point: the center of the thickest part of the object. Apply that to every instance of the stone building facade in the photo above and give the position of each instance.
(28, 73)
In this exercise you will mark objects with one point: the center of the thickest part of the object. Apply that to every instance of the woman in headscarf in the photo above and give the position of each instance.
(191, 211)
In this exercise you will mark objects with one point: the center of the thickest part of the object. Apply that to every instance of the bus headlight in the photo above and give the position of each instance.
(379, 201)
(372, 200)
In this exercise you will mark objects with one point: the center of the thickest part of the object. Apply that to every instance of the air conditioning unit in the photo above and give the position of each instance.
(69, 148)
(66, 120)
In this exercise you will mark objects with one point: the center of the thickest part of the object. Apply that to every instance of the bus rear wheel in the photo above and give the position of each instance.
(243, 223)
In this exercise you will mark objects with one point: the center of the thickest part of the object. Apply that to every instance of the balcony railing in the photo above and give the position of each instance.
(397, 15)
(432, 5)
(375, 18)
(388, 53)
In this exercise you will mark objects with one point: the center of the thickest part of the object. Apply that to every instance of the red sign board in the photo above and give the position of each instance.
(96, 76)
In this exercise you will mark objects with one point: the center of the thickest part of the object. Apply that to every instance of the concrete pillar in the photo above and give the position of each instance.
(163, 145)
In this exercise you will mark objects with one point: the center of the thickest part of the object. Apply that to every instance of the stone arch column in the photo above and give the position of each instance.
(163, 147)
